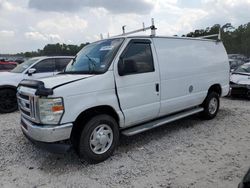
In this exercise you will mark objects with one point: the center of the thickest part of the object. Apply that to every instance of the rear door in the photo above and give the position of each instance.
(138, 82)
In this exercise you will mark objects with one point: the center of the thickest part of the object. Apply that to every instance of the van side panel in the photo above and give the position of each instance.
(187, 70)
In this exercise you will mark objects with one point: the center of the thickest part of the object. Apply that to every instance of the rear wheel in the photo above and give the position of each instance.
(211, 106)
(98, 139)
(8, 101)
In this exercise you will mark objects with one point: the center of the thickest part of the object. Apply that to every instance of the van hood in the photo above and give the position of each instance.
(243, 79)
(62, 79)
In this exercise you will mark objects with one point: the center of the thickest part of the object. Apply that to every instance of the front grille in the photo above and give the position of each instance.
(26, 97)
(27, 106)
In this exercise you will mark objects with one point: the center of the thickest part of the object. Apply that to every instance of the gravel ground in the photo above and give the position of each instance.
(186, 153)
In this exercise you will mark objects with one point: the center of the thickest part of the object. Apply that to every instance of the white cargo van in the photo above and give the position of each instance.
(123, 85)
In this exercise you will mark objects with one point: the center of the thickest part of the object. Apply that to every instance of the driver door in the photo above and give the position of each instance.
(138, 83)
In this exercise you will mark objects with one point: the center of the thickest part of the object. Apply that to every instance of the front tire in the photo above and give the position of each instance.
(211, 106)
(98, 139)
(8, 101)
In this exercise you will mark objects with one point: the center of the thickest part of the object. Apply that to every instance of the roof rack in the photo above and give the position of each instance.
(152, 28)
(210, 36)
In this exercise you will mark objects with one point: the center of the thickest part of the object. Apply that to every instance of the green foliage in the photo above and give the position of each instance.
(236, 41)
(55, 49)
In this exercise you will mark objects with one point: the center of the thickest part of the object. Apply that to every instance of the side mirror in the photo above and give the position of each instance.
(31, 71)
(126, 66)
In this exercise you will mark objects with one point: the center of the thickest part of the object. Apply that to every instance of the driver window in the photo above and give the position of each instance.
(138, 59)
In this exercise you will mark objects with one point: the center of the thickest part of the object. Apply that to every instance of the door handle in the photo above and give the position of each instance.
(157, 87)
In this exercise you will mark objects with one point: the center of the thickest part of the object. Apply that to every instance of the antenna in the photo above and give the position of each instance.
(152, 28)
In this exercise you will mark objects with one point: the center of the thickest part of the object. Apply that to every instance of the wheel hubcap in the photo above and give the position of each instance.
(101, 139)
(213, 105)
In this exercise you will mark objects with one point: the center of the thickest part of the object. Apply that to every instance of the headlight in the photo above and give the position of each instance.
(50, 110)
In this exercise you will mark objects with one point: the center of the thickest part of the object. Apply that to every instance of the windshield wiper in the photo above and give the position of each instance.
(93, 63)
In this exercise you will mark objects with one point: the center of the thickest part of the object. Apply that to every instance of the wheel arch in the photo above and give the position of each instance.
(87, 115)
(215, 88)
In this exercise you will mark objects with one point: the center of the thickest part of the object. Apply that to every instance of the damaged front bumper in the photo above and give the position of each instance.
(54, 139)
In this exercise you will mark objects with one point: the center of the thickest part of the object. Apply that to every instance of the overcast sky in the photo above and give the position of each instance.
(27, 25)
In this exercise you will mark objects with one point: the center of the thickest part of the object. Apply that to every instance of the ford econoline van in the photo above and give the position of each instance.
(123, 85)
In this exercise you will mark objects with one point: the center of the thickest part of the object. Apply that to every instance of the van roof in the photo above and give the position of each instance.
(168, 37)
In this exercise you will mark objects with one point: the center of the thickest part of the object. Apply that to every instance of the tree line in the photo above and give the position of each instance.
(236, 41)
(55, 49)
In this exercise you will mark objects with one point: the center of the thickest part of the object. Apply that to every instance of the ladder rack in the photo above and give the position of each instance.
(209, 36)
(152, 28)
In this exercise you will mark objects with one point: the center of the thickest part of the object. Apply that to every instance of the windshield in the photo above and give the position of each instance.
(243, 69)
(94, 58)
(22, 67)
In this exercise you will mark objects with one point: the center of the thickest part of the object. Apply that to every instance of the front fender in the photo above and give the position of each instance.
(75, 105)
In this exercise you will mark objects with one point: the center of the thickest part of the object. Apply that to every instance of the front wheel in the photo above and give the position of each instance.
(211, 106)
(8, 101)
(98, 139)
